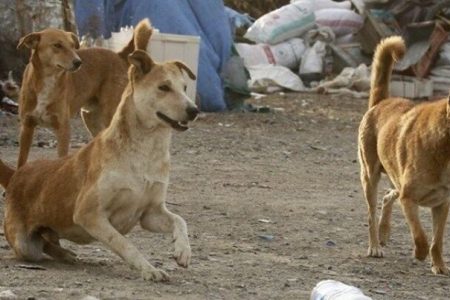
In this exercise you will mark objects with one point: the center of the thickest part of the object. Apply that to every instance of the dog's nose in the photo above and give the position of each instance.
(77, 63)
(192, 112)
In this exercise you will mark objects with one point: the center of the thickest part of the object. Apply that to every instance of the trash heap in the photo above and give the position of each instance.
(303, 45)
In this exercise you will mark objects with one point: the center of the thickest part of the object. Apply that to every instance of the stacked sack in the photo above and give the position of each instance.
(280, 34)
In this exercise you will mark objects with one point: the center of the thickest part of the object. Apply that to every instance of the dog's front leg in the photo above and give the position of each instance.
(160, 219)
(99, 227)
(62, 136)
(157, 218)
(26, 139)
(439, 214)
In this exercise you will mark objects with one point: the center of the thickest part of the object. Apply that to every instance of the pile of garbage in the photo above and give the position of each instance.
(255, 8)
(301, 46)
(9, 93)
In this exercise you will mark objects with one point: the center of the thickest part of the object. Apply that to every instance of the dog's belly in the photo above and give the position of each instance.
(76, 234)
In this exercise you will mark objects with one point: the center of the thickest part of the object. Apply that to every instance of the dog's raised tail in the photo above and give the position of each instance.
(141, 36)
(389, 51)
(5, 174)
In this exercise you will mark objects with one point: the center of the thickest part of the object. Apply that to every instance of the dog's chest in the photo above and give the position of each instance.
(129, 191)
(44, 98)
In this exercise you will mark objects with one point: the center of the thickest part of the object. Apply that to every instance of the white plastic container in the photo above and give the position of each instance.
(411, 87)
(163, 47)
(335, 290)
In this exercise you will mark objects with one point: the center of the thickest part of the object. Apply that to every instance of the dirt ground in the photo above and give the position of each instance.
(273, 205)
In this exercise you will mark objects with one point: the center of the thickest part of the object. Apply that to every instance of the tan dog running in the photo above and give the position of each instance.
(116, 181)
(60, 80)
(409, 142)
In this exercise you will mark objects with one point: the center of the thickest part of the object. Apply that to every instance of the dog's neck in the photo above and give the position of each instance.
(129, 133)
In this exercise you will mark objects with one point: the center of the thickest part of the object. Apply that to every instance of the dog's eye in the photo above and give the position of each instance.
(185, 88)
(164, 88)
(57, 46)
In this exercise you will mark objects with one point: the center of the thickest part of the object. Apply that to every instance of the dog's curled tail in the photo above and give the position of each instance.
(5, 174)
(389, 51)
(141, 36)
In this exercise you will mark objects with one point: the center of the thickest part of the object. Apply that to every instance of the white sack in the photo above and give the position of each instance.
(342, 21)
(265, 77)
(322, 4)
(287, 22)
(287, 54)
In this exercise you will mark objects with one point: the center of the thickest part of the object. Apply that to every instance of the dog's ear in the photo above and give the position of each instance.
(182, 67)
(30, 41)
(76, 42)
(142, 62)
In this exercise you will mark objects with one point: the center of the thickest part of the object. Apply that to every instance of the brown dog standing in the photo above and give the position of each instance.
(409, 142)
(116, 181)
(60, 80)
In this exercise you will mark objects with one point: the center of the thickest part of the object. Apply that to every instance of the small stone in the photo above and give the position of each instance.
(330, 243)
(265, 221)
(90, 298)
(266, 237)
(379, 292)
(7, 295)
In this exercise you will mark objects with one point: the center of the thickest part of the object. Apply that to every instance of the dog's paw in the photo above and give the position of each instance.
(154, 274)
(375, 251)
(440, 270)
(421, 253)
(182, 254)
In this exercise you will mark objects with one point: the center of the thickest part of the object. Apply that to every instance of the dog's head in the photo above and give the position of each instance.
(54, 48)
(159, 91)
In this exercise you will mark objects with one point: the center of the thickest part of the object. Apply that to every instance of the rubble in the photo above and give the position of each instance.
(348, 32)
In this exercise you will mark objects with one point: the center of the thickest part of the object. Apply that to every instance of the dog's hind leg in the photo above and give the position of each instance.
(53, 248)
(26, 246)
(411, 212)
(439, 214)
(384, 228)
(370, 176)
(92, 120)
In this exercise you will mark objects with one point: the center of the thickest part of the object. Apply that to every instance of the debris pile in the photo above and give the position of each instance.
(304, 44)
(255, 8)
(9, 92)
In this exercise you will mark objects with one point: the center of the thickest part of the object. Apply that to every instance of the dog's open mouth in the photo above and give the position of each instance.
(72, 69)
(180, 126)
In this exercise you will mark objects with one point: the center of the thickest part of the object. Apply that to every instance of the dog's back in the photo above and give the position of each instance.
(103, 76)
(101, 79)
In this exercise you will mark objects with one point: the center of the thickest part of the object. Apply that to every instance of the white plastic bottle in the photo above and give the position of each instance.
(335, 290)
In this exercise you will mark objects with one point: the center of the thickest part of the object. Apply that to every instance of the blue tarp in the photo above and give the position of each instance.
(206, 19)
